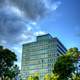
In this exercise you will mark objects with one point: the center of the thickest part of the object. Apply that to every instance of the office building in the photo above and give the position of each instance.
(40, 56)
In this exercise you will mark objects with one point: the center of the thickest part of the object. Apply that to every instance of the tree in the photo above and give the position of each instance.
(64, 65)
(47, 77)
(7, 58)
(54, 76)
(36, 76)
(12, 72)
(30, 78)
(75, 77)
(51, 77)
(9, 74)
(74, 53)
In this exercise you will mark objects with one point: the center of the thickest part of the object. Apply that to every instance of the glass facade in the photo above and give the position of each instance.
(41, 55)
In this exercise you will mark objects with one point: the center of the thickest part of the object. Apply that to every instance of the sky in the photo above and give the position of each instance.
(22, 20)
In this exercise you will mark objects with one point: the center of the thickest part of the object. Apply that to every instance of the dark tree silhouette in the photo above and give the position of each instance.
(7, 58)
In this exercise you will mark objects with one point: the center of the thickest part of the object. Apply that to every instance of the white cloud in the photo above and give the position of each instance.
(55, 6)
(29, 28)
(51, 5)
(34, 23)
(23, 36)
(39, 33)
(3, 42)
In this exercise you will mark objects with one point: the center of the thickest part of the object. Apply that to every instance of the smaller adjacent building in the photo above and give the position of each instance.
(40, 56)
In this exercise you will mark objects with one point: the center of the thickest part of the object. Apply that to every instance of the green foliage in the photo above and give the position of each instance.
(54, 77)
(34, 77)
(7, 58)
(30, 78)
(74, 53)
(64, 65)
(75, 76)
(9, 73)
(12, 72)
(47, 77)
(51, 77)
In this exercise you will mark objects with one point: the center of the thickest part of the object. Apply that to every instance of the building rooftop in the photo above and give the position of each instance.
(44, 37)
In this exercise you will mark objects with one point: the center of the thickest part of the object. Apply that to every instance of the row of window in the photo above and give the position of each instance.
(40, 54)
(40, 46)
(38, 67)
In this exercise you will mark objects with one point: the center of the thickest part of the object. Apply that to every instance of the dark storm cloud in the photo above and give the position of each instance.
(12, 26)
(35, 9)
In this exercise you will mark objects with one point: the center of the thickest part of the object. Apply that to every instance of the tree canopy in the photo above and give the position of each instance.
(64, 65)
(7, 58)
(12, 72)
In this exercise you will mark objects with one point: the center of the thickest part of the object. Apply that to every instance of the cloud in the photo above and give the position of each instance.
(11, 25)
(36, 9)
(18, 21)
(51, 5)
(38, 33)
